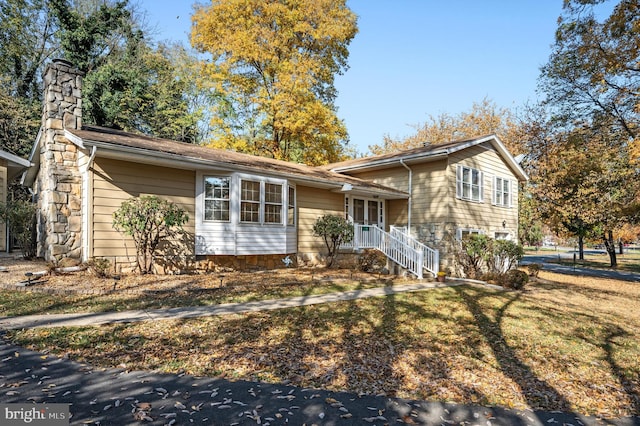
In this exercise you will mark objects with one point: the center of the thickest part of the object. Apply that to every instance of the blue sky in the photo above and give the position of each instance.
(416, 58)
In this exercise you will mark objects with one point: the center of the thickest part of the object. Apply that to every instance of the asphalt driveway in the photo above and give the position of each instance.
(118, 397)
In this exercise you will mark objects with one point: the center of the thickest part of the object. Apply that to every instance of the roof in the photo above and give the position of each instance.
(147, 149)
(427, 153)
(15, 164)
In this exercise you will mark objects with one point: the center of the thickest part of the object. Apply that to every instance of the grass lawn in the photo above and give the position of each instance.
(13, 303)
(565, 343)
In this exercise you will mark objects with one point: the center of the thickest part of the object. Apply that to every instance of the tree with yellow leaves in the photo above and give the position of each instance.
(483, 119)
(274, 62)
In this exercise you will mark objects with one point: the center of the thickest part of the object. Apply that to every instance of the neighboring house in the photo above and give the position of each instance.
(250, 211)
(10, 167)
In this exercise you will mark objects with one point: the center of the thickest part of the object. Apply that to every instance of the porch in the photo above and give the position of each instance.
(398, 246)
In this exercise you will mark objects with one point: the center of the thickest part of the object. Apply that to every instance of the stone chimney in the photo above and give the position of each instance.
(59, 184)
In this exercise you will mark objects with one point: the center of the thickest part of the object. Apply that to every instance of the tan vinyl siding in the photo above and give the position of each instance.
(484, 215)
(313, 203)
(115, 181)
(3, 200)
(430, 192)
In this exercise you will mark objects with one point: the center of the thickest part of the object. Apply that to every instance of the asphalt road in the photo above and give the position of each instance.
(544, 257)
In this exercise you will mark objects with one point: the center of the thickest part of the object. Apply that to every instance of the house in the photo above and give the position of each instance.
(10, 167)
(248, 211)
(455, 189)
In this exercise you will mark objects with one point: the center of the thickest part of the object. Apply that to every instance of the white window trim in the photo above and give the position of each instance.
(495, 192)
(204, 197)
(289, 204)
(349, 204)
(235, 195)
(459, 232)
(495, 235)
(459, 183)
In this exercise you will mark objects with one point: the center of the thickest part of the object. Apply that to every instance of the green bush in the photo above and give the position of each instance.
(335, 231)
(20, 216)
(148, 220)
(506, 255)
(514, 278)
(371, 260)
(474, 253)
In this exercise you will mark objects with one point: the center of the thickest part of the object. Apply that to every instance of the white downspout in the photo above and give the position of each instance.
(86, 205)
(410, 196)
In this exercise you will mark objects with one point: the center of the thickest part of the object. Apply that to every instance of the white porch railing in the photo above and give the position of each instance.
(431, 256)
(400, 248)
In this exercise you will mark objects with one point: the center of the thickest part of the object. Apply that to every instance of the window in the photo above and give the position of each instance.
(216, 198)
(250, 201)
(464, 232)
(502, 192)
(291, 207)
(272, 203)
(468, 183)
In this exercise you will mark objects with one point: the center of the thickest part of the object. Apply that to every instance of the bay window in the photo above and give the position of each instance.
(272, 203)
(250, 201)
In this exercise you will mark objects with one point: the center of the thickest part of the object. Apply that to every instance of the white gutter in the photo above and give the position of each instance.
(410, 196)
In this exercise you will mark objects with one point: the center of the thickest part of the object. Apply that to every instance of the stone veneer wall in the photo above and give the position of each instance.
(59, 185)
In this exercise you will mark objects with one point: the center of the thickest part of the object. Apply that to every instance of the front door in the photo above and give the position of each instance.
(367, 212)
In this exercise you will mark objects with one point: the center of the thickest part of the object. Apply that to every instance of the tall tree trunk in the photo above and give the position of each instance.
(611, 247)
(621, 246)
(580, 247)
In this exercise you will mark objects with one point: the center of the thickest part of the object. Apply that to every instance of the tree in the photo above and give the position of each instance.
(20, 216)
(483, 119)
(335, 231)
(136, 89)
(529, 224)
(27, 42)
(592, 84)
(19, 122)
(149, 220)
(584, 184)
(89, 34)
(274, 62)
(593, 70)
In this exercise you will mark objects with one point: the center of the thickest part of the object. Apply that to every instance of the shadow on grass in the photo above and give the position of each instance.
(631, 387)
(537, 392)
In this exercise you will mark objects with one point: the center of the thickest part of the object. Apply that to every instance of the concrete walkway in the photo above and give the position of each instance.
(83, 319)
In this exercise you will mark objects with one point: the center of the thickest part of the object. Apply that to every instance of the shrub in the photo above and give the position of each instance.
(148, 220)
(534, 269)
(371, 260)
(20, 216)
(100, 266)
(506, 255)
(334, 230)
(474, 252)
(514, 278)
